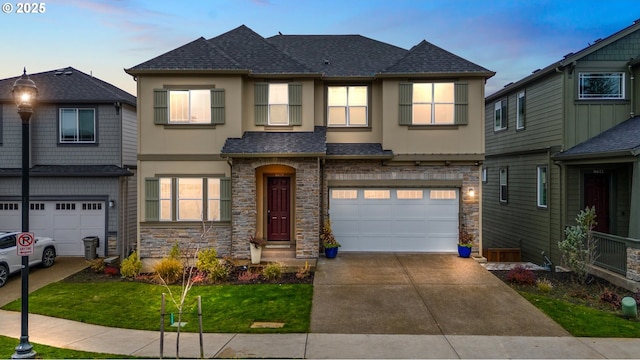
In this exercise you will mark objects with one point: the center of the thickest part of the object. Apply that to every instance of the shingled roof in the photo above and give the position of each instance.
(69, 85)
(357, 149)
(327, 56)
(433, 60)
(300, 143)
(622, 139)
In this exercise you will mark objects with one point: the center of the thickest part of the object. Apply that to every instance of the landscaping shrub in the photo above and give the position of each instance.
(131, 266)
(248, 275)
(521, 275)
(304, 271)
(207, 260)
(175, 251)
(579, 246)
(169, 269)
(544, 285)
(610, 297)
(97, 265)
(272, 271)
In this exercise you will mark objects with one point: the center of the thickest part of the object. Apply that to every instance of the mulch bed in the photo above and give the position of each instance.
(88, 275)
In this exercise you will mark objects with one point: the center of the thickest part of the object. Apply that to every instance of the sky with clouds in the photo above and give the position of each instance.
(103, 37)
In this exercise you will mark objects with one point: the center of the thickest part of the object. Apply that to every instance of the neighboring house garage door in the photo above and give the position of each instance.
(67, 222)
(419, 220)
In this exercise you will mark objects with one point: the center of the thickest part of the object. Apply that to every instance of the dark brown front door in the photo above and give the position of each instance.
(278, 214)
(596, 193)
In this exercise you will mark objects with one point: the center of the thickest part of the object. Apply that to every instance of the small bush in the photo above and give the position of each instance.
(97, 265)
(175, 251)
(111, 270)
(221, 271)
(636, 296)
(521, 275)
(207, 260)
(131, 266)
(544, 285)
(611, 297)
(169, 269)
(304, 271)
(248, 275)
(273, 271)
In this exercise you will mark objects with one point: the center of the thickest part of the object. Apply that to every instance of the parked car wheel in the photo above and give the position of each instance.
(4, 274)
(48, 257)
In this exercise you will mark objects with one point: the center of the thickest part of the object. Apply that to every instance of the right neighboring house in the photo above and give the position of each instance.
(563, 138)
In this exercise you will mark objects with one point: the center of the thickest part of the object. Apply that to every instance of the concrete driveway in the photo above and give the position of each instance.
(39, 277)
(432, 294)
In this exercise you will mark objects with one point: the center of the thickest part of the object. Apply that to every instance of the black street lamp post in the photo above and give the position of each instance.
(24, 94)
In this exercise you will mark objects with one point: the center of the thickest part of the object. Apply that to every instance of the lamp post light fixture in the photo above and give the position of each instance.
(24, 94)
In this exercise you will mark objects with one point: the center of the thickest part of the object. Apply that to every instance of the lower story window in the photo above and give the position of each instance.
(503, 185)
(542, 186)
(188, 199)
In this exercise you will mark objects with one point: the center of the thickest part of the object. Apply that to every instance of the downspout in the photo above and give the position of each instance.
(631, 87)
(230, 163)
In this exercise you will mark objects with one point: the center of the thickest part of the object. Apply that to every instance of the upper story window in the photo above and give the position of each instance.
(520, 111)
(433, 103)
(278, 104)
(347, 106)
(500, 115)
(77, 125)
(601, 85)
(188, 199)
(437, 103)
(188, 106)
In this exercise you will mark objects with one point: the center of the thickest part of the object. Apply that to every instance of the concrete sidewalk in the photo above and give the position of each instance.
(79, 336)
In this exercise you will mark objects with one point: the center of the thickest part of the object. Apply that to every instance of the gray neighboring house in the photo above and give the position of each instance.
(83, 162)
(563, 138)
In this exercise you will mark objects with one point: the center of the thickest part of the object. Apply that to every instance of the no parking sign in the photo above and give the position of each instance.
(25, 244)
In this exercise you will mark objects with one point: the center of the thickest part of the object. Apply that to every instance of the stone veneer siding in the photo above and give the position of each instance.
(306, 211)
(372, 170)
(633, 264)
(156, 241)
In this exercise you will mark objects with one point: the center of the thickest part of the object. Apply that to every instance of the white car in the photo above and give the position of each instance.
(44, 254)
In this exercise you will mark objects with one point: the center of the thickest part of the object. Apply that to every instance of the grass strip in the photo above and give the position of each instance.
(583, 321)
(8, 346)
(131, 305)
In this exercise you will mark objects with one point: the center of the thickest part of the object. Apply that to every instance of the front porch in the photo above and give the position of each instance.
(618, 260)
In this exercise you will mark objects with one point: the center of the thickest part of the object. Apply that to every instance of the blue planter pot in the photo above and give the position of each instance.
(331, 253)
(464, 251)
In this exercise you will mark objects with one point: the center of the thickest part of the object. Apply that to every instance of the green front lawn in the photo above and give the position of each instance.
(134, 305)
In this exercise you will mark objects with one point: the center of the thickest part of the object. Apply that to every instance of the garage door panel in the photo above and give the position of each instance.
(406, 224)
(372, 227)
(65, 221)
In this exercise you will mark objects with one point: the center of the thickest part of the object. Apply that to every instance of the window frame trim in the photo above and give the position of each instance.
(546, 176)
(95, 126)
(346, 126)
(506, 185)
(433, 104)
(504, 125)
(623, 86)
(521, 110)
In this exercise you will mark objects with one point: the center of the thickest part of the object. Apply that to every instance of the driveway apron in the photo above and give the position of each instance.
(39, 277)
(411, 293)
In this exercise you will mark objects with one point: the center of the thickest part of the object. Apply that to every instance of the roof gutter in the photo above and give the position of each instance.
(271, 155)
(483, 74)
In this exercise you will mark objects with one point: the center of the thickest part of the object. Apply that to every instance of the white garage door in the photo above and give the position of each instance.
(420, 220)
(68, 222)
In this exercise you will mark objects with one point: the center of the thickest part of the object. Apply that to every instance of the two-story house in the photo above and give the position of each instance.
(561, 139)
(83, 158)
(242, 135)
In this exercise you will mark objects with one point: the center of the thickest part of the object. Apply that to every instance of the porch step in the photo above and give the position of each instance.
(278, 253)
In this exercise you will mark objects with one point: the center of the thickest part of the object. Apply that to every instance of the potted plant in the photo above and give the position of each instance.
(329, 242)
(465, 242)
(255, 245)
